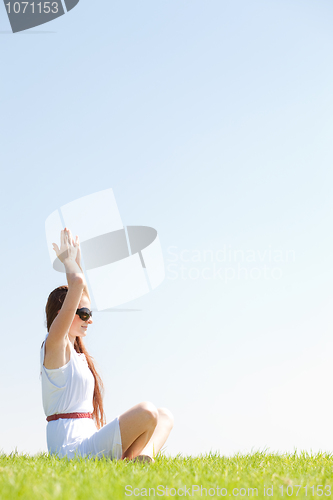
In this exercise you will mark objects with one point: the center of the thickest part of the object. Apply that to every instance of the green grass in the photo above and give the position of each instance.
(46, 477)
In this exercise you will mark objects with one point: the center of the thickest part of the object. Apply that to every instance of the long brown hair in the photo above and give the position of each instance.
(54, 303)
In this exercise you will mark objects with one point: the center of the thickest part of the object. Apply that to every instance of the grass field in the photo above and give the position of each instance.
(259, 475)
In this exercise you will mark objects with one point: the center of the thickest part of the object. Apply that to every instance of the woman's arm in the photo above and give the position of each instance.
(56, 342)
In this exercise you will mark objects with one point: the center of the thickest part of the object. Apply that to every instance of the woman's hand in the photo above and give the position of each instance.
(68, 248)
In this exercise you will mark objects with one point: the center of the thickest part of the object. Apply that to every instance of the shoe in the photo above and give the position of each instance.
(143, 458)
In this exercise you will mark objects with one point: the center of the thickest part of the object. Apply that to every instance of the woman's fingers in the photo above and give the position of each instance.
(70, 237)
(68, 247)
(56, 248)
(66, 238)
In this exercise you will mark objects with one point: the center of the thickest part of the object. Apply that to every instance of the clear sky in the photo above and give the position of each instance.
(212, 122)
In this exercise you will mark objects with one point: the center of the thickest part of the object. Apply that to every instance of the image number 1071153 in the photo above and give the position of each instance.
(26, 15)
(40, 7)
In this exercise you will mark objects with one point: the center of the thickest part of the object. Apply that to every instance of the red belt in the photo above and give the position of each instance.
(56, 416)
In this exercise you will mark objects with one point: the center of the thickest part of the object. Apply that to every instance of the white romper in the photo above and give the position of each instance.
(70, 389)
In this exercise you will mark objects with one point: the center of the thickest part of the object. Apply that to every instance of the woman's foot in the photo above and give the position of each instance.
(143, 458)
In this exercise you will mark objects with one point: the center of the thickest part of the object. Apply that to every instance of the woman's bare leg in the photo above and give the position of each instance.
(160, 434)
(136, 428)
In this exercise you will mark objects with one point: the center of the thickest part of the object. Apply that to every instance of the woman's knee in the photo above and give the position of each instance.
(150, 411)
(166, 415)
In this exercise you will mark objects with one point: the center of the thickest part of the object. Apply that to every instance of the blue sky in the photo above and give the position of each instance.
(212, 123)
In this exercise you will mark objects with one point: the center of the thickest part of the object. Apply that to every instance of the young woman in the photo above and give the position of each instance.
(72, 388)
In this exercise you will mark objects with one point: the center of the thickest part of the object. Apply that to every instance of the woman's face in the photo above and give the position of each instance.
(79, 327)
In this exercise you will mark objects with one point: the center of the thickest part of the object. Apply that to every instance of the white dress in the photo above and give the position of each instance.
(70, 389)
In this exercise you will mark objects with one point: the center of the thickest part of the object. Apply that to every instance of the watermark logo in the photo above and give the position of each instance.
(26, 15)
(262, 491)
(227, 264)
(122, 263)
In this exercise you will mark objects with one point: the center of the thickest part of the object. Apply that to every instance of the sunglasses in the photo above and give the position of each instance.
(84, 313)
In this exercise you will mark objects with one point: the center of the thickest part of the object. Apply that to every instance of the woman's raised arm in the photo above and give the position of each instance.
(56, 341)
